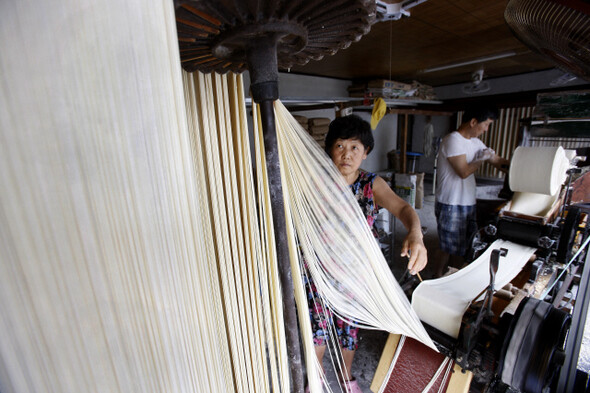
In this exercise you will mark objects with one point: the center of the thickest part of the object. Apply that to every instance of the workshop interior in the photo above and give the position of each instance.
(147, 203)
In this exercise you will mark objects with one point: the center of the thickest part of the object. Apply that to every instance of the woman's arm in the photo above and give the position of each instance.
(412, 246)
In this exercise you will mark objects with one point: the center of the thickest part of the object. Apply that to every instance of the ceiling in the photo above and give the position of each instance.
(437, 33)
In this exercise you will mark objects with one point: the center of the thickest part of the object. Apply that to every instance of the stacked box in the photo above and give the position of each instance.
(423, 92)
(357, 90)
(303, 122)
(388, 84)
(392, 89)
(318, 128)
(388, 88)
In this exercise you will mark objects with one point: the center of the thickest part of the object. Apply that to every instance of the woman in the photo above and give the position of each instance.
(348, 142)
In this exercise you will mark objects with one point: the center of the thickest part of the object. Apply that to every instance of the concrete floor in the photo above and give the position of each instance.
(372, 342)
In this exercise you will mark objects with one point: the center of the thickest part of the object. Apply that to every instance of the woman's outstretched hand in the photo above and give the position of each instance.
(413, 248)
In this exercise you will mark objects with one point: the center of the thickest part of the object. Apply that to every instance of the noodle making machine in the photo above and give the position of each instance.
(521, 332)
(544, 305)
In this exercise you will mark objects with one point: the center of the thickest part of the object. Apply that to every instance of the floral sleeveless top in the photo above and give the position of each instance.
(362, 189)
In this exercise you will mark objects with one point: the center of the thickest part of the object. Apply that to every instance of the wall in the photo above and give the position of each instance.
(441, 127)
(301, 86)
(385, 140)
(528, 82)
(291, 85)
(329, 113)
(385, 136)
(320, 89)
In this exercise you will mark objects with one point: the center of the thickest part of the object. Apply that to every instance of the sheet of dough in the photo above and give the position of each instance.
(532, 204)
(442, 302)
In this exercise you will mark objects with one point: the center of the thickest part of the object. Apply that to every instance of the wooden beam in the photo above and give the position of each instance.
(385, 362)
(404, 111)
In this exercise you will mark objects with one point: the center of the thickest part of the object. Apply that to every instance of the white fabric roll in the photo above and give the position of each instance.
(540, 170)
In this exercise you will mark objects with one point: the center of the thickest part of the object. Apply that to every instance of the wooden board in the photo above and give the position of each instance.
(415, 365)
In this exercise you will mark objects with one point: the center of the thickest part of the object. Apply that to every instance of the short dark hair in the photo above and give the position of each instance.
(349, 127)
(480, 113)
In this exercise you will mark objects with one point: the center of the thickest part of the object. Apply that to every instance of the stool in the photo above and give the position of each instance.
(412, 157)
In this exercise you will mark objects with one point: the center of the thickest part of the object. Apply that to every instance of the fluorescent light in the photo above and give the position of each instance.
(474, 61)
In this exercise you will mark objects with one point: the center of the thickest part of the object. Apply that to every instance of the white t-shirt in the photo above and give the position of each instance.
(450, 188)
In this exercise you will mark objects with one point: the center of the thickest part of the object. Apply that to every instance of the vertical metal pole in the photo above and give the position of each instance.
(279, 224)
(262, 64)
(404, 142)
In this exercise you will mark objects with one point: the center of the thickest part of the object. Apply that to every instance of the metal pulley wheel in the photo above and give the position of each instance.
(216, 35)
(533, 349)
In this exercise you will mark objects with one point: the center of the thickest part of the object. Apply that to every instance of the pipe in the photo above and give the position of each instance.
(262, 64)
(404, 143)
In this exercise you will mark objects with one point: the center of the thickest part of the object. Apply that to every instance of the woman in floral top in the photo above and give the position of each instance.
(348, 142)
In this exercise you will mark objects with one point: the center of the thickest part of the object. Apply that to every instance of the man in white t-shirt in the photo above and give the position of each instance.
(461, 153)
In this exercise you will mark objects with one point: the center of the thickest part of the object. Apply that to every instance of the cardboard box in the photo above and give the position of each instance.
(389, 84)
(319, 121)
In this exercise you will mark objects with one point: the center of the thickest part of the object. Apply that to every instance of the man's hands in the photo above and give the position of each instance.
(484, 154)
(413, 248)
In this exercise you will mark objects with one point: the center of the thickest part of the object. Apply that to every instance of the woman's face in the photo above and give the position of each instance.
(348, 154)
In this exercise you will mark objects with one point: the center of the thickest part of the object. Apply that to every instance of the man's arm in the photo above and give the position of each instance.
(501, 163)
(462, 168)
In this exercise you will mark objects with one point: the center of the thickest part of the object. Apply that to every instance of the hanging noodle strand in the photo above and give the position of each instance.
(343, 257)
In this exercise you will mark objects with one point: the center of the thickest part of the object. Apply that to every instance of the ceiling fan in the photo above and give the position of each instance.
(477, 85)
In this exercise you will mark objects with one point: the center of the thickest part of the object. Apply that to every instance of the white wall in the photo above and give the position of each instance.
(291, 85)
(385, 140)
(329, 113)
(441, 125)
(527, 82)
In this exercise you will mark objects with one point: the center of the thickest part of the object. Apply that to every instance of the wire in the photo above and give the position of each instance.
(390, 46)
(544, 295)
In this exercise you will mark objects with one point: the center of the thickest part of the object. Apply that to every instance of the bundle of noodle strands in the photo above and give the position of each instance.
(127, 264)
(136, 254)
(341, 254)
